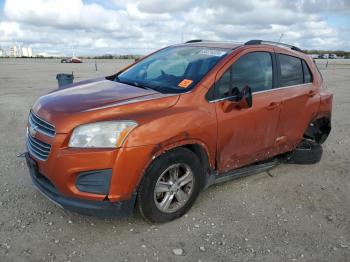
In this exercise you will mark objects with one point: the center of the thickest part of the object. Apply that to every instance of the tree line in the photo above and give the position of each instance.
(339, 53)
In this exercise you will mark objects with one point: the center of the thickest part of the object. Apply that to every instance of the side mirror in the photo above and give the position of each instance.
(240, 99)
(246, 98)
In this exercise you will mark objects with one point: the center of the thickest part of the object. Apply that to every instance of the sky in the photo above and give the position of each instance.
(96, 27)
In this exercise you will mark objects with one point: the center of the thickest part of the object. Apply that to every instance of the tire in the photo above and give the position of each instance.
(153, 206)
(306, 153)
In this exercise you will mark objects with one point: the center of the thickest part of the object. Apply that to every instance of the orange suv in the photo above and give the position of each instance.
(175, 122)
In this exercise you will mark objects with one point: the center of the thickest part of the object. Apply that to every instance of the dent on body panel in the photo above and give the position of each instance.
(170, 143)
(181, 139)
(244, 132)
(326, 101)
(188, 118)
(191, 121)
(245, 140)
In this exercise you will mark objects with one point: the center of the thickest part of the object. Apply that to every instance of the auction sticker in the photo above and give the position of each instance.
(185, 83)
(212, 52)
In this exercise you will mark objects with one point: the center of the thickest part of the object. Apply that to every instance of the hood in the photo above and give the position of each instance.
(88, 95)
(97, 100)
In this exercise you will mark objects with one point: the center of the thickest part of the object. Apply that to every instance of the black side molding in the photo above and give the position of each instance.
(215, 178)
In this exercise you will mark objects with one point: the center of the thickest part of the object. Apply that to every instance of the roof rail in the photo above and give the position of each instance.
(193, 41)
(259, 42)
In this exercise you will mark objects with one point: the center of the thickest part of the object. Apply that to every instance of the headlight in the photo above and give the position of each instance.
(109, 134)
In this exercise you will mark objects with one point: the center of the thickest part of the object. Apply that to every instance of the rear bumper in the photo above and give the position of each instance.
(87, 207)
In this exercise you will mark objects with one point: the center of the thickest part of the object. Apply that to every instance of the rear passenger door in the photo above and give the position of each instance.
(300, 99)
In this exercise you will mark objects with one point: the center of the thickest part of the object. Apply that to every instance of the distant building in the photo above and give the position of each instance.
(2, 52)
(18, 51)
(27, 52)
(13, 51)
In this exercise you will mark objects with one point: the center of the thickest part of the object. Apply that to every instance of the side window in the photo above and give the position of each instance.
(307, 73)
(291, 70)
(253, 69)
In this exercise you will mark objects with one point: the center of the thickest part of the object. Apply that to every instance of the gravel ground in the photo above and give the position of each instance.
(301, 213)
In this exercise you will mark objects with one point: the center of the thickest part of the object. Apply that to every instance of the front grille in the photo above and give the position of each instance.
(37, 148)
(41, 125)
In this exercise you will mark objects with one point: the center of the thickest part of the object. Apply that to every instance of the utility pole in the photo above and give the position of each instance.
(182, 33)
(279, 40)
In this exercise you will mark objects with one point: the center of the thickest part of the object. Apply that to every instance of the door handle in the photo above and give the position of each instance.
(311, 93)
(272, 105)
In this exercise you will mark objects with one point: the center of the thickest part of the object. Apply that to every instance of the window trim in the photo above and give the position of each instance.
(261, 92)
(284, 87)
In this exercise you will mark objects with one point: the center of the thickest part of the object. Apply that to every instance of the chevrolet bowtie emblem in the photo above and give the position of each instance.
(32, 130)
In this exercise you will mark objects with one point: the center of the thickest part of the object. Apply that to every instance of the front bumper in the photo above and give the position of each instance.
(103, 208)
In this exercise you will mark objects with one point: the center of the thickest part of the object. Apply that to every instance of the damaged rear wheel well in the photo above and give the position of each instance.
(318, 130)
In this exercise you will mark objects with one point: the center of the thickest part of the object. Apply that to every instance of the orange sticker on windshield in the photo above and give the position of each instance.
(185, 83)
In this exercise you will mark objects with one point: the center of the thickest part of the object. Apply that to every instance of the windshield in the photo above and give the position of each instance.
(174, 69)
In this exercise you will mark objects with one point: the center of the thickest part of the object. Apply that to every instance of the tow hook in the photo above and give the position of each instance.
(21, 154)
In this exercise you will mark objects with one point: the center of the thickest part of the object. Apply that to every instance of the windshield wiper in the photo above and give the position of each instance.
(132, 83)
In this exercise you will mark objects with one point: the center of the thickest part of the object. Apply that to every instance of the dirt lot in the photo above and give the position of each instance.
(302, 213)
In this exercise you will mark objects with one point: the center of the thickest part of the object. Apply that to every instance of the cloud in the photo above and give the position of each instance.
(66, 14)
(159, 6)
(314, 6)
(9, 30)
(134, 12)
(126, 26)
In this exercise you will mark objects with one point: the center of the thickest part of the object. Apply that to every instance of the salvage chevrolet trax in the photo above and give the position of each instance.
(157, 133)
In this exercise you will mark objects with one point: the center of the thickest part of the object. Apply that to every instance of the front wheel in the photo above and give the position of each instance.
(170, 185)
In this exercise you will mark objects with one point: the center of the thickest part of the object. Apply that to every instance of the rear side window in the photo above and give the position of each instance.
(307, 73)
(253, 69)
(291, 70)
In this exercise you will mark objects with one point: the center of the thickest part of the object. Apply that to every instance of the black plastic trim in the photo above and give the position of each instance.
(210, 95)
(278, 70)
(194, 41)
(216, 178)
(274, 70)
(95, 181)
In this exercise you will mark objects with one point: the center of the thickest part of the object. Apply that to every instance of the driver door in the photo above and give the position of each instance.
(247, 135)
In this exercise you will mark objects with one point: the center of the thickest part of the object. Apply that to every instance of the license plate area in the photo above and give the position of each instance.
(32, 165)
(33, 170)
